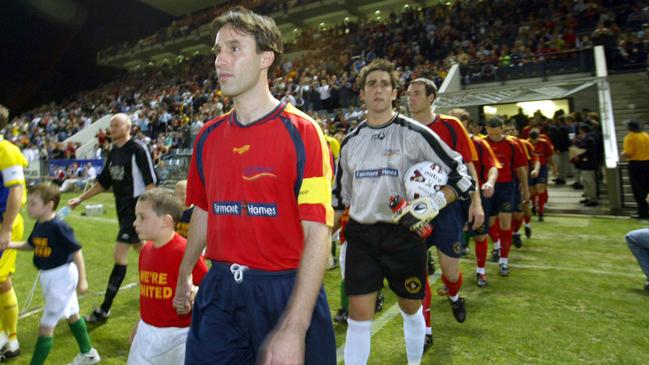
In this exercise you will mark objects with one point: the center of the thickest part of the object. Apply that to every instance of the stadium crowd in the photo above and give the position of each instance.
(169, 103)
(168, 106)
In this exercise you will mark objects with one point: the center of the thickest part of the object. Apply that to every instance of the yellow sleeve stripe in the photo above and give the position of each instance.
(320, 185)
(315, 190)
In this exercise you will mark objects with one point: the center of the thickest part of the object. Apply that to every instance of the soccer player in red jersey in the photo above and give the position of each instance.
(260, 182)
(486, 166)
(421, 94)
(522, 211)
(514, 164)
(544, 151)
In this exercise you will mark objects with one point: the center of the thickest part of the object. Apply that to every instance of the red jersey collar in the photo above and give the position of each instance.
(266, 118)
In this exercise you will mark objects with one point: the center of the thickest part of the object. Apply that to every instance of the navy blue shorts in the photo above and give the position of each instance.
(503, 199)
(542, 178)
(230, 321)
(447, 230)
(464, 215)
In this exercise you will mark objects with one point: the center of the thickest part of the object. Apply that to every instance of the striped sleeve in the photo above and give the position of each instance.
(314, 193)
(145, 164)
(435, 149)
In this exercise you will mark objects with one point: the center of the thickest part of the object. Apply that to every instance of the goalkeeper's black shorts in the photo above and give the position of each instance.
(384, 250)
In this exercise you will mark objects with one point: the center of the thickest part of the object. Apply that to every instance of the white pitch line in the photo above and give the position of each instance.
(40, 309)
(378, 325)
(568, 268)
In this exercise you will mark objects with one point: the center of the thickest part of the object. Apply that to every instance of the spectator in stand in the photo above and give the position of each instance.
(636, 151)
(587, 163)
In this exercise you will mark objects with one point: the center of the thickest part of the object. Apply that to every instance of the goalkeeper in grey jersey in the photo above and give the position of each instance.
(372, 162)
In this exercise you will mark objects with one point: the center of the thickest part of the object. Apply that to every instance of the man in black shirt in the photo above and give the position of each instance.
(129, 171)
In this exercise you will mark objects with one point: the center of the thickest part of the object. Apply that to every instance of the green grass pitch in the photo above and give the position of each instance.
(574, 296)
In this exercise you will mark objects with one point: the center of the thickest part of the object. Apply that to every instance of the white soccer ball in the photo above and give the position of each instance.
(424, 179)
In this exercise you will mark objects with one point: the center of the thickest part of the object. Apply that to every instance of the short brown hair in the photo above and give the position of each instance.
(263, 28)
(378, 64)
(48, 192)
(163, 202)
(462, 114)
(430, 86)
(4, 116)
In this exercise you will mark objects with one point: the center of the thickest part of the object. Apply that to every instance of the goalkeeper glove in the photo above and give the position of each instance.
(417, 214)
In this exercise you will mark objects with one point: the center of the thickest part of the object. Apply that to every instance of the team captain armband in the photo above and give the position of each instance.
(315, 190)
(13, 175)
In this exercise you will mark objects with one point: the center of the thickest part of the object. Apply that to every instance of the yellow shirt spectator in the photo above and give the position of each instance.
(636, 146)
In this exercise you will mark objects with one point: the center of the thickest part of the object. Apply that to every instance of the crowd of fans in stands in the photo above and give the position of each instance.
(169, 103)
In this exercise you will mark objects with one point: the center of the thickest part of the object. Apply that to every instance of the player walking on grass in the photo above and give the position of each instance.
(57, 255)
(159, 336)
(12, 197)
(514, 164)
(373, 160)
(522, 211)
(129, 171)
(543, 150)
(421, 95)
(486, 167)
(260, 182)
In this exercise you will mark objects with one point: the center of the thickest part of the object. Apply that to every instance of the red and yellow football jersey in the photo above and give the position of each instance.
(543, 150)
(257, 183)
(453, 133)
(486, 159)
(510, 155)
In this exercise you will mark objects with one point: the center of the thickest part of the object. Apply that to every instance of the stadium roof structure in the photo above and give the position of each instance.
(179, 8)
(514, 93)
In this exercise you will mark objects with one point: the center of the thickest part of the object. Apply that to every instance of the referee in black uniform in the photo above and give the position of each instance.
(129, 171)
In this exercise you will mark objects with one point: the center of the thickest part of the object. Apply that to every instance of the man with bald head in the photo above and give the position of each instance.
(129, 171)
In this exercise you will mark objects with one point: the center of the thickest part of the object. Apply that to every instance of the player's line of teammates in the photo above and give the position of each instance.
(263, 297)
(508, 170)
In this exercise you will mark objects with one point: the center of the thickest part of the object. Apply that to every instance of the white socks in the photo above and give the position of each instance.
(497, 245)
(414, 331)
(480, 270)
(358, 340)
(503, 260)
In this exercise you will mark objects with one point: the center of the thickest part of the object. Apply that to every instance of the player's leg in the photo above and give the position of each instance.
(413, 328)
(452, 278)
(541, 184)
(44, 344)
(363, 279)
(505, 220)
(343, 312)
(404, 261)
(8, 299)
(638, 242)
(517, 217)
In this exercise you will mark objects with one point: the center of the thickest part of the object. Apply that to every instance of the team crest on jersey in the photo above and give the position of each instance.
(389, 152)
(413, 285)
(117, 172)
(241, 150)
